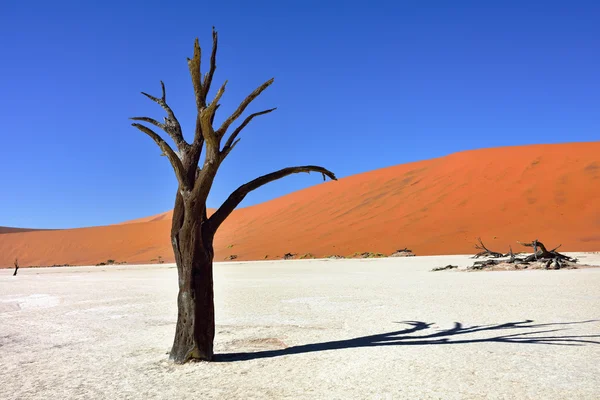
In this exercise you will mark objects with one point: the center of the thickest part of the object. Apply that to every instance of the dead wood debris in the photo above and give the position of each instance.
(447, 267)
(405, 252)
(541, 258)
(485, 251)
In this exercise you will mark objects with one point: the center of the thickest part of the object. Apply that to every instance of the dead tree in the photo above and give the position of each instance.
(192, 232)
(486, 252)
(16, 266)
(541, 253)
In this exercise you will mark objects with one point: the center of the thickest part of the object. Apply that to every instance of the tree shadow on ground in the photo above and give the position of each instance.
(409, 337)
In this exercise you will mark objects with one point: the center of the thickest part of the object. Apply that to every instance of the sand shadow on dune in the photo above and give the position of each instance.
(417, 334)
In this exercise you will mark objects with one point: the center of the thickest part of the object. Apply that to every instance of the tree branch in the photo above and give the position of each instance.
(227, 149)
(203, 133)
(535, 244)
(212, 118)
(171, 125)
(150, 121)
(206, 117)
(238, 195)
(486, 252)
(204, 128)
(171, 155)
(229, 143)
(223, 129)
(213, 65)
(194, 65)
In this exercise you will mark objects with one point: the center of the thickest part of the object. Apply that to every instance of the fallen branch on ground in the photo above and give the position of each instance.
(447, 267)
(486, 252)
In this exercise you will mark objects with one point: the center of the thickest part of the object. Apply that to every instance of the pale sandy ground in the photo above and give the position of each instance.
(332, 329)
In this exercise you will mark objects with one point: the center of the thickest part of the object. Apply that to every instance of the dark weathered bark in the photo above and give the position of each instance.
(193, 248)
(192, 232)
(16, 266)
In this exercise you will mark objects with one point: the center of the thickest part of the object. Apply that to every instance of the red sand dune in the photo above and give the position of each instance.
(438, 206)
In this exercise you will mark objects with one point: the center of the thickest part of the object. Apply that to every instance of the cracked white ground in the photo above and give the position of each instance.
(331, 329)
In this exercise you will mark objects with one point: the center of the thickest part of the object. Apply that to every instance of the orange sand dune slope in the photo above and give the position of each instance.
(167, 215)
(438, 206)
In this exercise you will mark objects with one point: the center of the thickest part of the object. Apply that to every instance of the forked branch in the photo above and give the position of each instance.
(240, 193)
(223, 129)
(203, 132)
(202, 87)
(206, 117)
(171, 125)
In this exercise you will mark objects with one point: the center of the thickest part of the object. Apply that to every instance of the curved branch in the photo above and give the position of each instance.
(229, 143)
(535, 244)
(171, 155)
(171, 125)
(238, 195)
(221, 131)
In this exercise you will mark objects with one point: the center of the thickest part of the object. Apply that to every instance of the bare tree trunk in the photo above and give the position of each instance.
(195, 329)
(192, 241)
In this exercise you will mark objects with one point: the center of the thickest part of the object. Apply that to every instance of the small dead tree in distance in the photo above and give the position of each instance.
(16, 266)
(192, 232)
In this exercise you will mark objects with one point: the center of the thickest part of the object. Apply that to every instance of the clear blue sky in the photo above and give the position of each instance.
(358, 86)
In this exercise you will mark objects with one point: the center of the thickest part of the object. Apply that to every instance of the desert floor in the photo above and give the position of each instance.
(331, 329)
